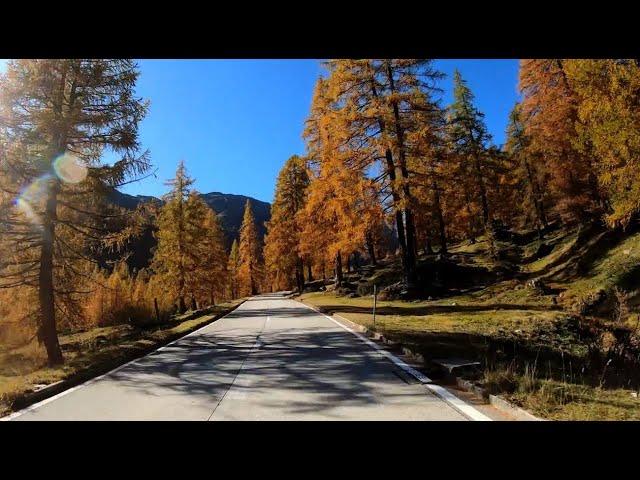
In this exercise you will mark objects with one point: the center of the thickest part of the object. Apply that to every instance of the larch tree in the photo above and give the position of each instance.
(210, 275)
(340, 199)
(283, 261)
(376, 101)
(233, 268)
(549, 114)
(608, 123)
(251, 270)
(179, 231)
(57, 118)
(428, 162)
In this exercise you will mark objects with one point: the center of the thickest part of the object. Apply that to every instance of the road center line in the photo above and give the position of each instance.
(257, 345)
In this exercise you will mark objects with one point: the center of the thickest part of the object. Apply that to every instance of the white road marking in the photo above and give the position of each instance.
(457, 403)
(238, 380)
(95, 379)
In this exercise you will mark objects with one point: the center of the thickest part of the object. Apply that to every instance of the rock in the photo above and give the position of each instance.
(538, 285)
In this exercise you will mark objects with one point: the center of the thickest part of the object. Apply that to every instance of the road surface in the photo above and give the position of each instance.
(271, 359)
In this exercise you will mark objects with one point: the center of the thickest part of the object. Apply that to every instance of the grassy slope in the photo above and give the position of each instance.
(88, 354)
(510, 311)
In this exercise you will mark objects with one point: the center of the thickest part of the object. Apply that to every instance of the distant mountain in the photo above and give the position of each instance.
(130, 202)
(229, 207)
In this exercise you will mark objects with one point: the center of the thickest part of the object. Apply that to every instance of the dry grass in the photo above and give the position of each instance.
(562, 400)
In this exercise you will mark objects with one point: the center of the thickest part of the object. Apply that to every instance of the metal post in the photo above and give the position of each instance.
(375, 300)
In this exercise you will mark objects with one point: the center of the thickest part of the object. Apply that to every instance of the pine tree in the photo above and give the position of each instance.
(517, 146)
(468, 137)
(57, 117)
(250, 273)
(428, 164)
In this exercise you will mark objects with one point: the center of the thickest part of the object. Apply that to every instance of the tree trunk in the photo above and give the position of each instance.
(537, 198)
(428, 250)
(441, 225)
(371, 250)
(410, 251)
(194, 305)
(309, 273)
(182, 306)
(468, 207)
(254, 289)
(157, 310)
(483, 192)
(300, 275)
(338, 281)
(391, 172)
(48, 332)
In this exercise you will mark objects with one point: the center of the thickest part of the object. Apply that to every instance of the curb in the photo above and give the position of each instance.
(77, 379)
(497, 402)
(507, 407)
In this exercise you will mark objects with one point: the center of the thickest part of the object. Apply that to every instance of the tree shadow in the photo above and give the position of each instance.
(313, 370)
(411, 310)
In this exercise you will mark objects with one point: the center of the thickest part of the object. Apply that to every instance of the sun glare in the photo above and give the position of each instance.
(70, 169)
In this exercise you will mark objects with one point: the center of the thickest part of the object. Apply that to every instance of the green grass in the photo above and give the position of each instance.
(479, 315)
(606, 272)
(22, 369)
(562, 244)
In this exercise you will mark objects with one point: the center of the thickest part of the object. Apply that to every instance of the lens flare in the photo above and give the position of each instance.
(31, 196)
(67, 168)
(70, 169)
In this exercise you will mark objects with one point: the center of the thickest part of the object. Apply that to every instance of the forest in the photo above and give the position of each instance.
(384, 154)
(395, 189)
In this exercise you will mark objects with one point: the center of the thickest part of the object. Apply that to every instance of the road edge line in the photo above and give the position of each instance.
(457, 403)
(110, 372)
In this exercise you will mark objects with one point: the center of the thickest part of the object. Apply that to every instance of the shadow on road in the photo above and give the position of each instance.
(328, 367)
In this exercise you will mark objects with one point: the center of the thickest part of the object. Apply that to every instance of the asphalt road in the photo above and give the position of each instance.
(270, 359)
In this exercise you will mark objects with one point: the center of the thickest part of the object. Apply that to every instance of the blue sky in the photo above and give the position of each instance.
(235, 122)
